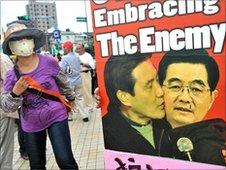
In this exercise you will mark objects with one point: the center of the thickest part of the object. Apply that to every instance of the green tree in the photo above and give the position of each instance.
(90, 47)
(24, 17)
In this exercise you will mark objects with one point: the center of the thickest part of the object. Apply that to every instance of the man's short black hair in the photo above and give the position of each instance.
(199, 56)
(80, 43)
(118, 75)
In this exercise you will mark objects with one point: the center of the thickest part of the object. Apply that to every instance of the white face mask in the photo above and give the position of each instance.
(24, 47)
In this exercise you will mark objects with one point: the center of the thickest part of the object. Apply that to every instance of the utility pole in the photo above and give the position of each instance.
(86, 21)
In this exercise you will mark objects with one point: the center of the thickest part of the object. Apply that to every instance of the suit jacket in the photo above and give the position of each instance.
(208, 138)
(119, 135)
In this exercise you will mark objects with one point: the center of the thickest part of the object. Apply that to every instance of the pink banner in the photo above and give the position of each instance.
(129, 161)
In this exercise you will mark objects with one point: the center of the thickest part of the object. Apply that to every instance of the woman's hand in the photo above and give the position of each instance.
(20, 86)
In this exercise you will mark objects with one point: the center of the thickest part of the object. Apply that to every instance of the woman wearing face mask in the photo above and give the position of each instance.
(38, 113)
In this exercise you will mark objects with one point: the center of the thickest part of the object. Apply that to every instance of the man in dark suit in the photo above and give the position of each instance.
(189, 79)
(136, 98)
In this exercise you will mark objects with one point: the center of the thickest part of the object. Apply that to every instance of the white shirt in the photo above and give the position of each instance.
(86, 58)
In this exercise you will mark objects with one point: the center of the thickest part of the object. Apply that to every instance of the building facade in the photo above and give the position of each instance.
(74, 37)
(43, 14)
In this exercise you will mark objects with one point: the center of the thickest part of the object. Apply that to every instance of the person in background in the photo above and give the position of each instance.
(21, 139)
(58, 57)
(90, 50)
(20, 136)
(87, 64)
(40, 113)
(70, 64)
(7, 125)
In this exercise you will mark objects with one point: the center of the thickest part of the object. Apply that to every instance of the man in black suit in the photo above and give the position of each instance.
(189, 79)
(136, 98)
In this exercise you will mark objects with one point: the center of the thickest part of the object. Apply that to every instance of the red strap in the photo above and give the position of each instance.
(33, 84)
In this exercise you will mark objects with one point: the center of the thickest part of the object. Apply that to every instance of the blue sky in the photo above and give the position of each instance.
(67, 11)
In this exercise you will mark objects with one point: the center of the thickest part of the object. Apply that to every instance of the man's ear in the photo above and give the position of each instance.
(123, 97)
(214, 95)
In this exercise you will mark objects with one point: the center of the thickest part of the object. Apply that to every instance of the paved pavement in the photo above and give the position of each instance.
(87, 145)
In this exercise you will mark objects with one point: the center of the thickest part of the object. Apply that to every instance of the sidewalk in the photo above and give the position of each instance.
(87, 145)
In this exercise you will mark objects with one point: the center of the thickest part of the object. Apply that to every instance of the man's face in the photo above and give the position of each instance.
(187, 94)
(79, 49)
(147, 102)
(66, 51)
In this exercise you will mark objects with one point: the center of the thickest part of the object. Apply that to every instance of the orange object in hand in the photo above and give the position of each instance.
(33, 84)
